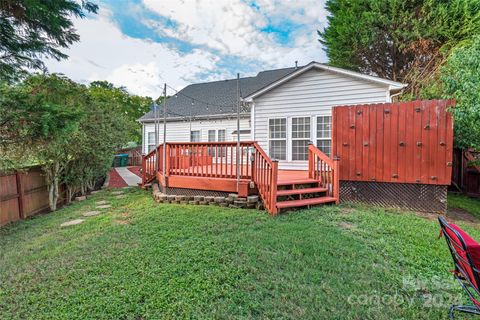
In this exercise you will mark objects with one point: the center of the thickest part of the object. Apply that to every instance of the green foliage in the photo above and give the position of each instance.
(460, 201)
(144, 260)
(37, 117)
(396, 39)
(123, 103)
(34, 29)
(460, 79)
(72, 130)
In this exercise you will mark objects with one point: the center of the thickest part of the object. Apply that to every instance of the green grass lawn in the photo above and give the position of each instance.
(143, 260)
(460, 201)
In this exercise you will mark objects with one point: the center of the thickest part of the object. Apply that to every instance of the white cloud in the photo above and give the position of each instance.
(234, 27)
(217, 28)
(104, 53)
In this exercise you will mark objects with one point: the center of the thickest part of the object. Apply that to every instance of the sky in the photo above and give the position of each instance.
(142, 44)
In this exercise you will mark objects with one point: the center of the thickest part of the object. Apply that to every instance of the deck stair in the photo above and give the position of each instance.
(301, 193)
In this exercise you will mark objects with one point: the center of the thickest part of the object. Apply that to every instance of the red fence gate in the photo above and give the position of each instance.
(409, 144)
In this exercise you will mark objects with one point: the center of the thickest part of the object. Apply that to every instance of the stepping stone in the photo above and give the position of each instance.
(105, 206)
(95, 191)
(80, 198)
(91, 213)
(101, 202)
(120, 196)
(117, 192)
(71, 223)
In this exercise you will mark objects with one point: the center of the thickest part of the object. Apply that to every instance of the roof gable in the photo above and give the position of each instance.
(392, 85)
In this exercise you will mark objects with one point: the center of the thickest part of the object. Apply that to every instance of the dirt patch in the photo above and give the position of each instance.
(347, 225)
(457, 214)
(124, 214)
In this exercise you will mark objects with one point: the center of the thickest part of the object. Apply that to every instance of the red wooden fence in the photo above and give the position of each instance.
(23, 194)
(406, 142)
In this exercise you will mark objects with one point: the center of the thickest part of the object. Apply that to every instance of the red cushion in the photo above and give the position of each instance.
(472, 247)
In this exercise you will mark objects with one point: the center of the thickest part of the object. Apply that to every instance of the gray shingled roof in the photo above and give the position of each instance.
(217, 98)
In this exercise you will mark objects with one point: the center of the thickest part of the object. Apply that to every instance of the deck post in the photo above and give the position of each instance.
(336, 179)
(274, 186)
(167, 159)
(310, 161)
(144, 170)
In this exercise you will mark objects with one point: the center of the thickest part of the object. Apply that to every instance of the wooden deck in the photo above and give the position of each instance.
(215, 167)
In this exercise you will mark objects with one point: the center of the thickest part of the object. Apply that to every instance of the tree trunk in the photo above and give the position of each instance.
(52, 173)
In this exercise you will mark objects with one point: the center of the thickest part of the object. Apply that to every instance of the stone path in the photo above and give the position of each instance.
(91, 213)
(71, 223)
(129, 177)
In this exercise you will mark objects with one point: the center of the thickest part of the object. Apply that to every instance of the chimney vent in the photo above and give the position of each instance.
(296, 64)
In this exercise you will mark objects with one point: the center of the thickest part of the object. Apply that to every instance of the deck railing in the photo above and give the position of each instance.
(151, 164)
(325, 170)
(265, 177)
(209, 159)
(217, 160)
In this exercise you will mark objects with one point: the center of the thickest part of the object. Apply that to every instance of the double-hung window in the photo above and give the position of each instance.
(221, 136)
(277, 133)
(300, 138)
(211, 138)
(195, 136)
(324, 134)
(151, 141)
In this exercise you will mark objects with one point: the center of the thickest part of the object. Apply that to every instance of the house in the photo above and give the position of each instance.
(283, 110)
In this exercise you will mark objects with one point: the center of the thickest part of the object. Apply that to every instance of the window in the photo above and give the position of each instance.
(324, 134)
(211, 135)
(221, 134)
(277, 138)
(300, 138)
(151, 141)
(195, 136)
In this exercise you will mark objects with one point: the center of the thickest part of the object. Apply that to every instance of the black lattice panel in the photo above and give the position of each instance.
(415, 197)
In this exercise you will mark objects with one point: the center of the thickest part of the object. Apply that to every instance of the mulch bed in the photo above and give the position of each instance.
(135, 170)
(116, 180)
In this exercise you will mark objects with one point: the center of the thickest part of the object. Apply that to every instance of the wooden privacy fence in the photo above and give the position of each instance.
(23, 194)
(406, 142)
(395, 154)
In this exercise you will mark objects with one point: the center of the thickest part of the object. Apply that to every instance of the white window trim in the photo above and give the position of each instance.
(291, 139)
(148, 144)
(287, 137)
(315, 130)
(190, 135)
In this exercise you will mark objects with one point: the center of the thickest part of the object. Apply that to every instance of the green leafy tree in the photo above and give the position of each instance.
(34, 29)
(460, 79)
(118, 99)
(397, 39)
(40, 117)
(101, 132)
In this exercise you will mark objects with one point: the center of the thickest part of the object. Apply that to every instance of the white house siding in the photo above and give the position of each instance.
(179, 131)
(311, 94)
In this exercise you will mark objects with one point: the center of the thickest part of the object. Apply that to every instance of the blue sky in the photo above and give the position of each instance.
(141, 44)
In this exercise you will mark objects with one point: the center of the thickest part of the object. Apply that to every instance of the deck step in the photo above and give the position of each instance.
(295, 182)
(304, 202)
(281, 193)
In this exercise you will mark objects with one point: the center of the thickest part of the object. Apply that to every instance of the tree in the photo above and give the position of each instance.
(460, 79)
(101, 132)
(119, 100)
(397, 39)
(33, 29)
